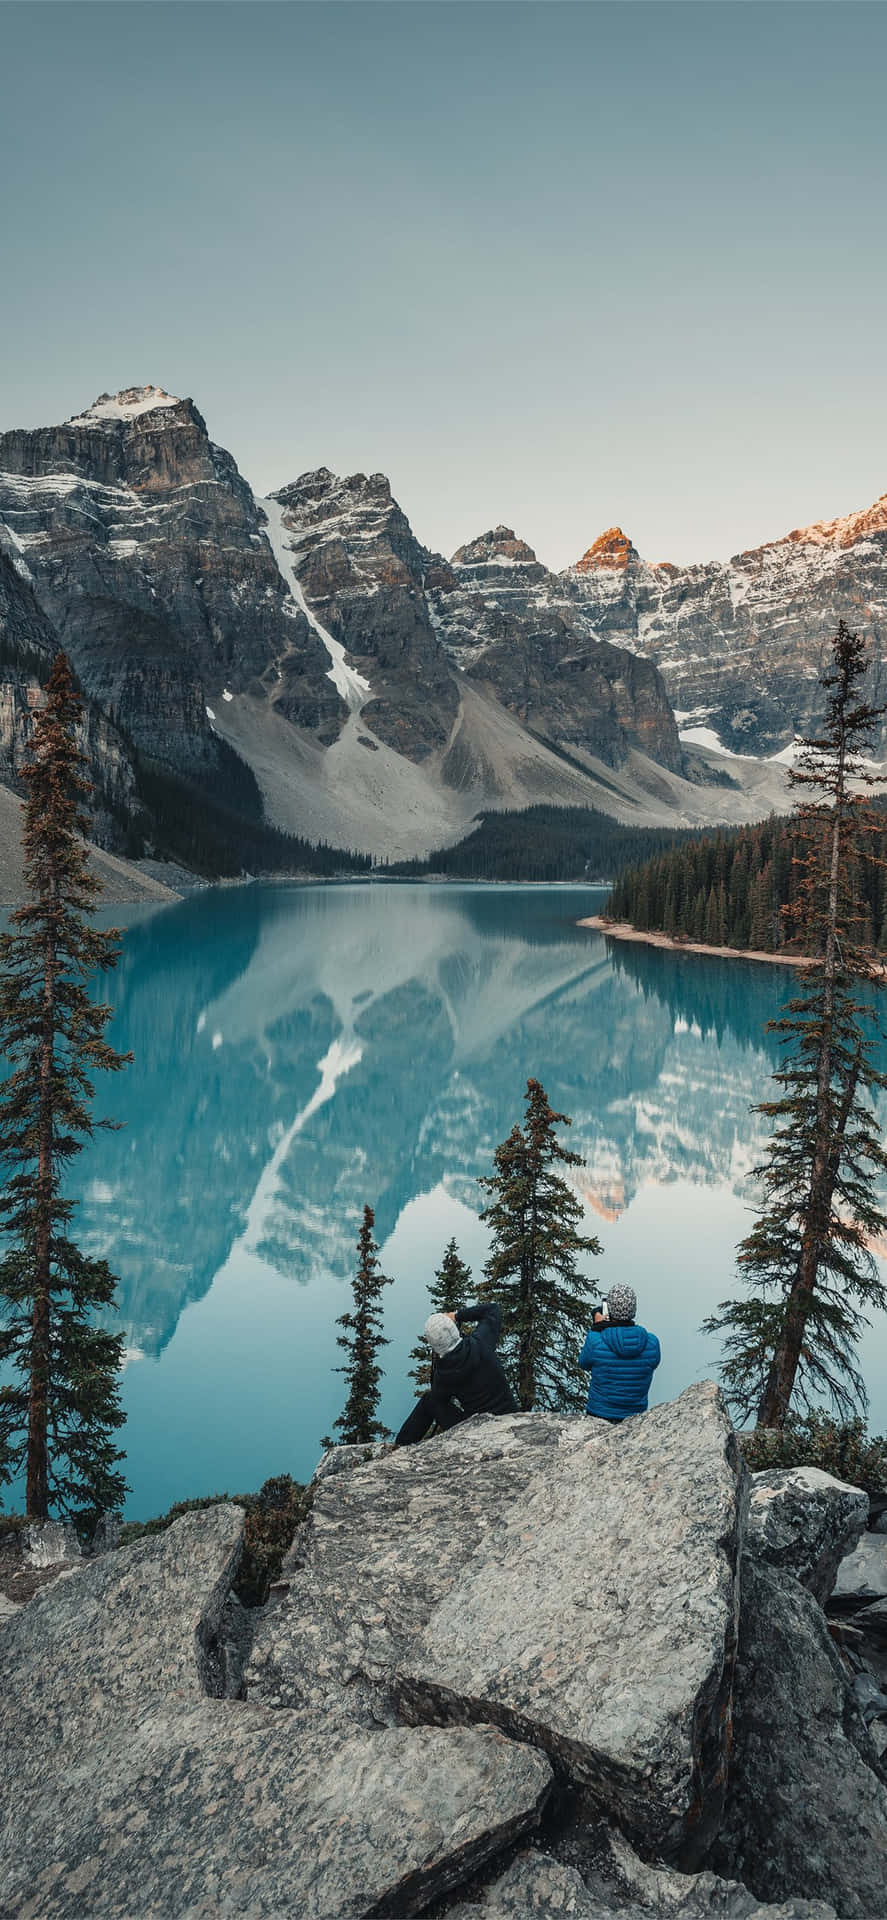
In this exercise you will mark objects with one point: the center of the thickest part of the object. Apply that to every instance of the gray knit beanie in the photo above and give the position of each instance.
(441, 1333)
(622, 1303)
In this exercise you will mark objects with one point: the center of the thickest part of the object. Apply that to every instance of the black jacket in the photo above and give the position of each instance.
(472, 1374)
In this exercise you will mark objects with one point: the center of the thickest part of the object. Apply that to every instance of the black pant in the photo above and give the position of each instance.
(428, 1412)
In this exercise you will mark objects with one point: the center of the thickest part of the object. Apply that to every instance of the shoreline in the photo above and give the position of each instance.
(623, 930)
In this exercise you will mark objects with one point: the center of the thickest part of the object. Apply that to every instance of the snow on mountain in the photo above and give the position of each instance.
(130, 404)
(741, 644)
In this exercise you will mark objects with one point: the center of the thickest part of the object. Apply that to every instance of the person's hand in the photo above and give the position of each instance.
(600, 1317)
(453, 1317)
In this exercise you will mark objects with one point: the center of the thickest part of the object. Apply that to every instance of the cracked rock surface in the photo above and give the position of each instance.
(136, 1794)
(600, 1623)
(387, 1538)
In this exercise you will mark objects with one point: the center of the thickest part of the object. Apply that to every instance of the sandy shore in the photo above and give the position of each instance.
(621, 930)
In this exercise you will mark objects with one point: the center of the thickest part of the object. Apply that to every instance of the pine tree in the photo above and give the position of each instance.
(808, 1255)
(447, 1293)
(358, 1424)
(61, 1405)
(531, 1271)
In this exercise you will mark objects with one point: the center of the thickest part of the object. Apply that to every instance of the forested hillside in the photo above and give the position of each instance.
(728, 889)
(547, 843)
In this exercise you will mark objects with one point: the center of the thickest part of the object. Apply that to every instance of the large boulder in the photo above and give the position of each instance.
(387, 1538)
(804, 1520)
(806, 1813)
(220, 1808)
(132, 1792)
(600, 1623)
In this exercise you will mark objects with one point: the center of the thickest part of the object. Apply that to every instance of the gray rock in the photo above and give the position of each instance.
(700, 1896)
(50, 1544)
(537, 1887)
(136, 1794)
(385, 1541)
(600, 1623)
(872, 1703)
(863, 1575)
(806, 1812)
(806, 1521)
(220, 1808)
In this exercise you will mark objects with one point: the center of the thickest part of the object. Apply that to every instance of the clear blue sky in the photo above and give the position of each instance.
(557, 265)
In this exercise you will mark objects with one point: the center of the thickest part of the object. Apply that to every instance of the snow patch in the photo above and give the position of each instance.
(129, 404)
(209, 713)
(350, 684)
(226, 695)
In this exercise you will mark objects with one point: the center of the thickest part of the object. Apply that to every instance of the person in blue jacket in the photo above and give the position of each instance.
(621, 1358)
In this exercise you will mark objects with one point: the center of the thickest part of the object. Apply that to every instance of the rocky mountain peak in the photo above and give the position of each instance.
(129, 404)
(498, 547)
(611, 549)
(847, 530)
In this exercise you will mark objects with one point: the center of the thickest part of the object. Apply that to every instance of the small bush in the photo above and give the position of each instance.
(814, 1440)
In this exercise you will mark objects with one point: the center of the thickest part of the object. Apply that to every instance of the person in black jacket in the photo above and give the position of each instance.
(467, 1375)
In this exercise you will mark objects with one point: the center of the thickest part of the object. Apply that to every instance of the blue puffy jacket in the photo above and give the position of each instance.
(622, 1361)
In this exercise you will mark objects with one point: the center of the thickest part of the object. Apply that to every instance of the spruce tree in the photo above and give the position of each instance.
(358, 1424)
(531, 1271)
(60, 1406)
(808, 1256)
(447, 1293)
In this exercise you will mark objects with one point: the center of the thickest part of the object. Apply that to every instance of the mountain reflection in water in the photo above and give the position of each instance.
(300, 1051)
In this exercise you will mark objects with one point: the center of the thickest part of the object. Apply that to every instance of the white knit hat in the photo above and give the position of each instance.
(441, 1333)
(623, 1305)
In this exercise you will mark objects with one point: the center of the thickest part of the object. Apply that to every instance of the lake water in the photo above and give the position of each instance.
(301, 1051)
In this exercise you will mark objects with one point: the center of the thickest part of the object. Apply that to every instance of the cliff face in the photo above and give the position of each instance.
(740, 644)
(362, 571)
(508, 621)
(28, 644)
(148, 554)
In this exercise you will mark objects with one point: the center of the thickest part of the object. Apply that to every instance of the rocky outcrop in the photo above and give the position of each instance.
(600, 1622)
(508, 622)
(148, 554)
(135, 1793)
(802, 1520)
(741, 643)
(807, 1810)
(565, 1592)
(384, 1544)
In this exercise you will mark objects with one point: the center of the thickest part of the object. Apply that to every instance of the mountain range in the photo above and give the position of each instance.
(304, 656)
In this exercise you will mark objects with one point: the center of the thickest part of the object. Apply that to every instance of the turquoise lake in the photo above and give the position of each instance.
(301, 1051)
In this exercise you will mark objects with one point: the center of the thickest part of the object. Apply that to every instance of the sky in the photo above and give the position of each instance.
(560, 266)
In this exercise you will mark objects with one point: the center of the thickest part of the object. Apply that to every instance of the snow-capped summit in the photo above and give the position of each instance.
(129, 404)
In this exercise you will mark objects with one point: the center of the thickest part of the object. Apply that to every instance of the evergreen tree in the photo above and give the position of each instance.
(808, 1254)
(447, 1293)
(61, 1405)
(531, 1271)
(358, 1423)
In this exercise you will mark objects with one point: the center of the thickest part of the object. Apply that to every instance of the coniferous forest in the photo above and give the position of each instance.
(546, 844)
(729, 889)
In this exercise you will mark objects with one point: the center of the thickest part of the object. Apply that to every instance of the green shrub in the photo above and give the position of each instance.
(843, 1449)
